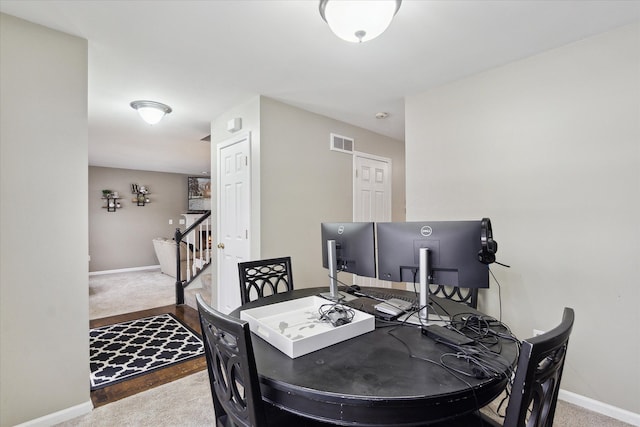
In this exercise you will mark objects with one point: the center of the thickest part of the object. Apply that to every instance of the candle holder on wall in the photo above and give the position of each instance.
(141, 194)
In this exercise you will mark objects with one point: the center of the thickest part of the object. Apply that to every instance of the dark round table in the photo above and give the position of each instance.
(388, 377)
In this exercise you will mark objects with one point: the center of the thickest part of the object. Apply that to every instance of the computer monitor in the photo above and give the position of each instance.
(450, 257)
(350, 247)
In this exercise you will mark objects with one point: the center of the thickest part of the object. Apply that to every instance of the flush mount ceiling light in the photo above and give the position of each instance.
(358, 21)
(150, 111)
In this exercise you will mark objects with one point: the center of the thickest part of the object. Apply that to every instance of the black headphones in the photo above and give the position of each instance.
(487, 254)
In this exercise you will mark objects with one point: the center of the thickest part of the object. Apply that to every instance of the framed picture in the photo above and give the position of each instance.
(199, 194)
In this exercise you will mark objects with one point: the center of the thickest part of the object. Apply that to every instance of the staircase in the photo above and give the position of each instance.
(202, 284)
(198, 239)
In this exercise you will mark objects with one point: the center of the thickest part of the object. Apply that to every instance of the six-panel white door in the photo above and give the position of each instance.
(371, 197)
(234, 213)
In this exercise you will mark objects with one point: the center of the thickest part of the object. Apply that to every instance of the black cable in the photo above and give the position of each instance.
(487, 363)
(485, 333)
(483, 358)
(431, 301)
(499, 293)
(482, 355)
(336, 313)
(504, 399)
(438, 363)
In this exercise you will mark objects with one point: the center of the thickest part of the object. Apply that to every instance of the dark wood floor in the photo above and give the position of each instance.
(130, 387)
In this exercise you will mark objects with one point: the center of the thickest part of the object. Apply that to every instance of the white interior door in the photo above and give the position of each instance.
(234, 213)
(371, 197)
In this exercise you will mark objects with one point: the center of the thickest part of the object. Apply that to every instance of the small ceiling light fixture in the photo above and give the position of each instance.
(358, 21)
(382, 115)
(150, 111)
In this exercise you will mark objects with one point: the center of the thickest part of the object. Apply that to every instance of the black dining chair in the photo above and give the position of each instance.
(233, 376)
(534, 392)
(468, 296)
(265, 277)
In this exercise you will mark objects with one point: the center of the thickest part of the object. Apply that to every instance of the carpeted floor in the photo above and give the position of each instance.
(118, 293)
(567, 415)
(184, 402)
(187, 401)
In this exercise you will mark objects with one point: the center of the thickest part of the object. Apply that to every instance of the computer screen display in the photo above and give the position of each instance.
(355, 246)
(453, 252)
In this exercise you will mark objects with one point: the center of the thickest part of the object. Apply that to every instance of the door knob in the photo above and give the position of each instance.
(220, 245)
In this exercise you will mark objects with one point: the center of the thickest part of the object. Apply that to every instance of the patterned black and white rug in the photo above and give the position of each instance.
(125, 350)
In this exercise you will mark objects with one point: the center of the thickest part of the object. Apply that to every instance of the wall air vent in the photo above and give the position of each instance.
(341, 143)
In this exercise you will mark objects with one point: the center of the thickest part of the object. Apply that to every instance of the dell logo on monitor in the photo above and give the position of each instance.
(340, 229)
(426, 231)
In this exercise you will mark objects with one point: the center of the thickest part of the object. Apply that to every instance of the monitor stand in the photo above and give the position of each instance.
(424, 286)
(332, 260)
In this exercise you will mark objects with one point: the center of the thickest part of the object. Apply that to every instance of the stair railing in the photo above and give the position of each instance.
(197, 239)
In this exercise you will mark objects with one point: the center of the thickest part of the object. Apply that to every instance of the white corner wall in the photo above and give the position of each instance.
(44, 307)
(549, 148)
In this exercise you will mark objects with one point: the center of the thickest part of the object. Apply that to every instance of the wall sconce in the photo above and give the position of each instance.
(111, 199)
(150, 111)
(358, 21)
(141, 192)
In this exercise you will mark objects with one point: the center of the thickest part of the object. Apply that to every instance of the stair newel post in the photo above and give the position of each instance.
(179, 287)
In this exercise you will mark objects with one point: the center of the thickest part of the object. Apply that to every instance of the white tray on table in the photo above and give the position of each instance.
(294, 327)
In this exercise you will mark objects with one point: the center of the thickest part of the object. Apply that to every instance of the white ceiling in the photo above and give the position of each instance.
(204, 57)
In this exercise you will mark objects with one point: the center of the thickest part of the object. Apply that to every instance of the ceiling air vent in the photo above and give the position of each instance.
(341, 143)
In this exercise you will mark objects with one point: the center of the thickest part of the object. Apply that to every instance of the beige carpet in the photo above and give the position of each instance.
(119, 293)
(187, 402)
(184, 402)
(567, 415)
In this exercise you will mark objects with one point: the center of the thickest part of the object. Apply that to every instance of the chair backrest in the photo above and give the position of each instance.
(537, 381)
(233, 376)
(468, 296)
(264, 277)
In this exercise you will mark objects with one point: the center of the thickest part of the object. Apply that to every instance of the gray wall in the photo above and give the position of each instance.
(44, 314)
(122, 239)
(303, 183)
(549, 149)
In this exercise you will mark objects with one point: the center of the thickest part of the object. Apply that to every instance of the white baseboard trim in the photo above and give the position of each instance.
(124, 270)
(60, 416)
(600, 407)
